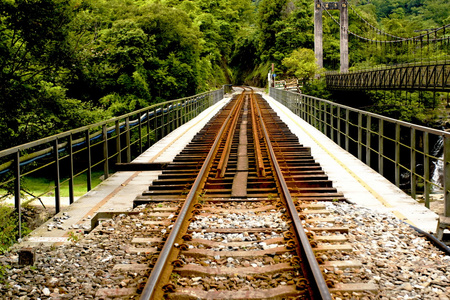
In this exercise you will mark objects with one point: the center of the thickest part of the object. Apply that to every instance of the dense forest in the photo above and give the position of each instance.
(68, 63)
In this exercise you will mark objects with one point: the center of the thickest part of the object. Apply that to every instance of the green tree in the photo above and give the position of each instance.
(34, 56)
(302, 64)
(270, 20)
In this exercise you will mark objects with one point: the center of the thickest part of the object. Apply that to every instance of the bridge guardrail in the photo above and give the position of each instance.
(404, 153)
(79, 151)
(427, 77)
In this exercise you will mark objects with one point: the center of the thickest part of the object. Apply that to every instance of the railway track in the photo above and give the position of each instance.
(241, 214)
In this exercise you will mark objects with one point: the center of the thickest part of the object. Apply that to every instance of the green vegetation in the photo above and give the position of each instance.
(68, 63)
(44, 186)
(74, 237)
(302, 64)
(9, 228)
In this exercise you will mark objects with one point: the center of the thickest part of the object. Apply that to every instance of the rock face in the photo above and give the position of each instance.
(403, 263)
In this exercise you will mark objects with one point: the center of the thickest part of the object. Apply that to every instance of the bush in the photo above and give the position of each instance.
(9, 227)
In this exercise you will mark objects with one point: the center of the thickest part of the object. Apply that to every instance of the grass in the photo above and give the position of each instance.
(41, 185)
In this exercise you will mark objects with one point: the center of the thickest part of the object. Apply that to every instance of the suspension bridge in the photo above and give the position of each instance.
(419, 62)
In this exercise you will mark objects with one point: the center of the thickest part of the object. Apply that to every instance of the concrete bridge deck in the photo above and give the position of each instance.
(359, 183)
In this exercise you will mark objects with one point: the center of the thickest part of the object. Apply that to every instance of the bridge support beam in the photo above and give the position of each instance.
(344, 34)
(342, 6)
(318, 33)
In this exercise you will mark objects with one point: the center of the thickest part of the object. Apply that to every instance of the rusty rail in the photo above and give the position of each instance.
(160, 273)
(231, 128)
(311, 279)
(318, 284)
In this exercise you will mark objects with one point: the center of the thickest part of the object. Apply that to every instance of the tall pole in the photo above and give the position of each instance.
(343, 7)
(318, 33)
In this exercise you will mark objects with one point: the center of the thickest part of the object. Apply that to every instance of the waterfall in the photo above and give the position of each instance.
(438, 170)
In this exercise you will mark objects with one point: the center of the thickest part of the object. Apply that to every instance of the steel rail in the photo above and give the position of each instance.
(259, 159)
(153, 288)
(319, 284)
(231, 126)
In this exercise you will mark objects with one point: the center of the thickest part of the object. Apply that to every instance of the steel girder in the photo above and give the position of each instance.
(434, 77)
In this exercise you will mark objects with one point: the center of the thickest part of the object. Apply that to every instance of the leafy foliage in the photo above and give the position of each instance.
(9, 228)
(68, 63)
(302, 64)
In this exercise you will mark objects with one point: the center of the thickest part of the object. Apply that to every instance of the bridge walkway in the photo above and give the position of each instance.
(359, 183)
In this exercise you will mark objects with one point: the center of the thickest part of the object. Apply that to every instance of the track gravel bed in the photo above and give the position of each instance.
(403, 263)
(238, 238)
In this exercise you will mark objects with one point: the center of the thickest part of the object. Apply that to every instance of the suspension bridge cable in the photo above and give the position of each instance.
(415, 38)
(373, 27)
(347, 29)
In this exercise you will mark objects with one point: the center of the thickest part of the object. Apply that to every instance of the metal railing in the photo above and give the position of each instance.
(414, 158)
(427, 77)
(70, 154)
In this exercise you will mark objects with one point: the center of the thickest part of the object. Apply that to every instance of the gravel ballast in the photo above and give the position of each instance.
(403, 263)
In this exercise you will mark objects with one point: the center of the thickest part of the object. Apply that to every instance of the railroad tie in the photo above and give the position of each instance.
(239, 187)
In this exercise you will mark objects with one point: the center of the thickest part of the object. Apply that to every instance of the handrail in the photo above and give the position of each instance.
(87, 127)
(430, 62)
(79, 156)
(381, 142)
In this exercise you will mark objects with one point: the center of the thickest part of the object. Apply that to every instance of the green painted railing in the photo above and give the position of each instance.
(406, 154)
(63, 157)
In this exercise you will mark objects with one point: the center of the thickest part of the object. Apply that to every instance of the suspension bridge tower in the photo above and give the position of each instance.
(342, 6)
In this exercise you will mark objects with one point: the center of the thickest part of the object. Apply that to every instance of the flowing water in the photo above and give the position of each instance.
(437, 177)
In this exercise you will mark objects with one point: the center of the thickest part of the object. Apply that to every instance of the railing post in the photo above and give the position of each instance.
(89, 161)
(316, 114)
(148, 129)
(299, 105)
(306, 109)
(413, 164)
(128, 138)
(140, 132)
(155, 123)
(302, 107)
(447, 175)
(313, 112)
(368, 140)
(163, 122)
(339, 126)
(56, 177)
(71, 193)
(426, 165)
(332, 121)
(360, 136)
(169, 118)
(183, 111)
(347, 129)
(105, 152)
(318, 106)
(380, 146)
(17, 188)
(177, 111)
(191, 109)
(118, 146)
(397, 154)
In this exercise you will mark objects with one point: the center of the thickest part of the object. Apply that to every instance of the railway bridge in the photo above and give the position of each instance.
(413, 63)
(262, 203)
(241, 194)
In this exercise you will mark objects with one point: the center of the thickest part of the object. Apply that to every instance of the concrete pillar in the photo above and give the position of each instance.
(318, 33)
(343, 7)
